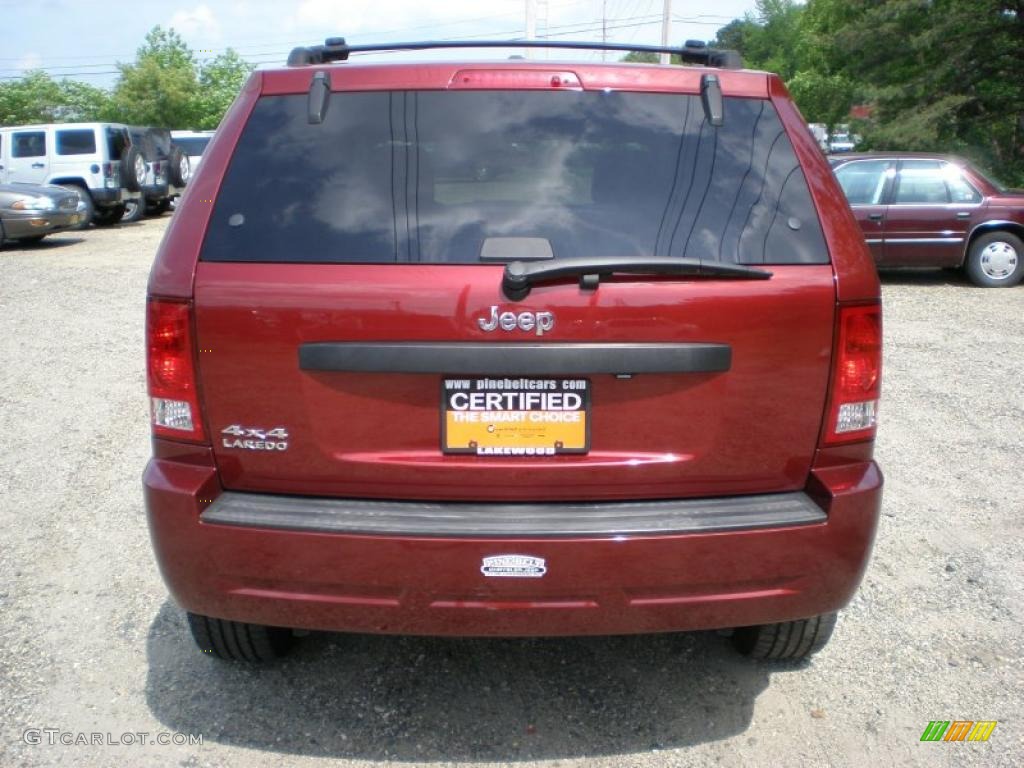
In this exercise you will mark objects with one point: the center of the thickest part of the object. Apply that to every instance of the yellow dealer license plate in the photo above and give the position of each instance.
(515, 416)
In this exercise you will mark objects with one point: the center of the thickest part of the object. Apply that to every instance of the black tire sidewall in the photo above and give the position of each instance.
(973, 266)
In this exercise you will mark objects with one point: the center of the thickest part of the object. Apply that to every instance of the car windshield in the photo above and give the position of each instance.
(448, 176)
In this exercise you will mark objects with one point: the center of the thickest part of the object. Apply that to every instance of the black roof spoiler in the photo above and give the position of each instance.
(336, 49)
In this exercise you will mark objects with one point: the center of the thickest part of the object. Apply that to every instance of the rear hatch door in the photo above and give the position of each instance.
(355, 339)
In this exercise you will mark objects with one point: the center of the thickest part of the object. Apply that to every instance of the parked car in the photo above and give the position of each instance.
(842, 140)
(931, 210)
(30, 212)
(512, 348)
(167, 171)
(820, 133)
(94, 159)
(193, 144)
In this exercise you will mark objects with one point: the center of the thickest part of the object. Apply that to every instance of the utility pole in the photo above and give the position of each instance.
(531, 23)
(666, 20)
(604, 27)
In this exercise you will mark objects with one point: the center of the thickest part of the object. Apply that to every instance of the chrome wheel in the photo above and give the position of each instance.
(998, 260)
(185, 169)
(140, 168)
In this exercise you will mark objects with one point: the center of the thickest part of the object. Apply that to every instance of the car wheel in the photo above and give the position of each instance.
(106, 217)
(788, 640)
(996, 260)
(238, 641)
(134, 210)
(87, 205)
(180, 169)
(133, 169)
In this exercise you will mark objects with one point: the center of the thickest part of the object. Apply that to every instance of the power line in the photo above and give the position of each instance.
(562, 30)
(268, 42)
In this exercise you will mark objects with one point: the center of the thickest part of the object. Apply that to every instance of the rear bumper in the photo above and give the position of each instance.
(154, 193)
(434, 585)
(105, 197)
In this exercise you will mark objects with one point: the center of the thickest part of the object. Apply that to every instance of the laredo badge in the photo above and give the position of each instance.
(514, 566)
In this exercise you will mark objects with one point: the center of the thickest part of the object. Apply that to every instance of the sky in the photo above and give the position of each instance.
(84, 40)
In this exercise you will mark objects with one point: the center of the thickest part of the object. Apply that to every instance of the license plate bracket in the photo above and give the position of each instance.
(515, 416)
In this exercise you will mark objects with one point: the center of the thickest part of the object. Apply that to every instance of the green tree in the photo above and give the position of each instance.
(38, 98)
(32, 99)
(160, 87)
(941, 75)
(219, 83)
(82, 103)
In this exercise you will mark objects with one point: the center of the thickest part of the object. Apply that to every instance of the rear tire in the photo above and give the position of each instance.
(133, 169)
(238, 641)
(134, 210)
(788, 640)
(996, 260)
(107, 217)
(180, 170)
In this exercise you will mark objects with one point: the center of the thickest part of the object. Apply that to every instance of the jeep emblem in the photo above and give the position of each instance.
(538, 322)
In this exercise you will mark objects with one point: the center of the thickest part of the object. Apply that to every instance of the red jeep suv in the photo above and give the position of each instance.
(512, 348)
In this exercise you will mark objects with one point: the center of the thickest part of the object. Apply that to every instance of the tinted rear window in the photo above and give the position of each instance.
(79, 141)
(432, 176)
(117, 140)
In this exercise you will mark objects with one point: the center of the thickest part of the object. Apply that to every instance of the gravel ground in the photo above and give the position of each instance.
(90, 643)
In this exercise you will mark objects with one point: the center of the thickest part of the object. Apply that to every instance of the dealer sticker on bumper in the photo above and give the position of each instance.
(515, 416)
(514, 566)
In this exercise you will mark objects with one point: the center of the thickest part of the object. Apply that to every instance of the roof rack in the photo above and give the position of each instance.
(336, 49)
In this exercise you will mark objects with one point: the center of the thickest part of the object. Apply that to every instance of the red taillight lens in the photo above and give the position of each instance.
(108, 170)
(856, 376)
(171, 372)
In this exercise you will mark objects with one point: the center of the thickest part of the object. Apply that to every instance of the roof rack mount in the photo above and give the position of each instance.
(336, 49)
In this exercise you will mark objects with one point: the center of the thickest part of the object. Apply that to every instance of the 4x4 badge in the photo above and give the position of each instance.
(255, 438)
(538, 322)
(514, 566)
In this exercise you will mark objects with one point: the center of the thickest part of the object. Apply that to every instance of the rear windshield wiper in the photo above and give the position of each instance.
(521, 276)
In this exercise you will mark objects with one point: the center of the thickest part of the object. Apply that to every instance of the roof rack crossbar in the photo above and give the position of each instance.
(336, 49)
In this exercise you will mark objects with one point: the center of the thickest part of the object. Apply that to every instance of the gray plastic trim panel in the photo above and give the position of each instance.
(462, 519)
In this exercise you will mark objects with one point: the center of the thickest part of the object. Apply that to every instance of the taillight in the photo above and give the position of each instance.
(171, 371)
(108, 170)
(856, 376)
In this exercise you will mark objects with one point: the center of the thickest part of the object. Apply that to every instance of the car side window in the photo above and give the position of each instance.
(863, 181)
(76, 142)
(960, 190)
(28, 144)
(921, 182)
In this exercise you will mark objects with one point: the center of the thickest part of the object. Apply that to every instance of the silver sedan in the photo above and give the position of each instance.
(30, 212)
